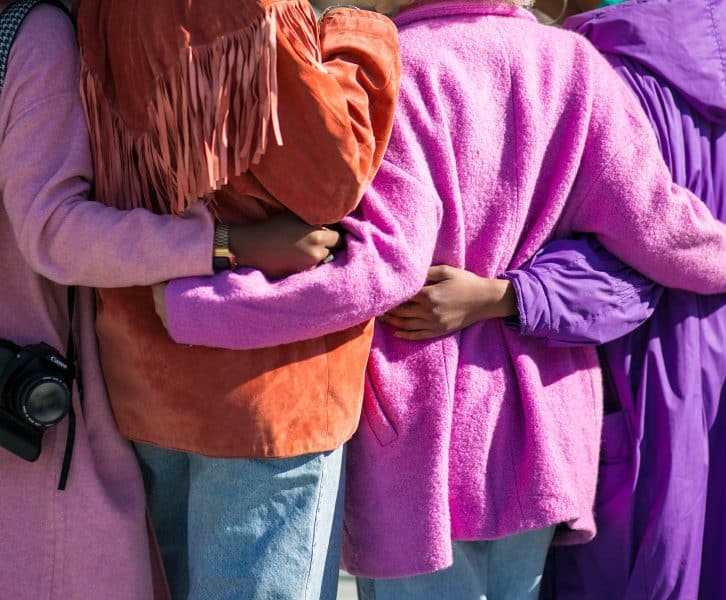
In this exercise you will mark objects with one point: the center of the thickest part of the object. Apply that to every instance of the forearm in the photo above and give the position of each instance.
(389, 248)
(45, 174)
(246, 310)
(575, 292)
(81, 242)
(660, 229)
(625, 196)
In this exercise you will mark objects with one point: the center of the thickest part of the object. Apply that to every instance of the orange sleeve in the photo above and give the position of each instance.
(337, 89)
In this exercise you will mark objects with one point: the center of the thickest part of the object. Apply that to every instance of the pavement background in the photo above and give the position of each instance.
(346, 587)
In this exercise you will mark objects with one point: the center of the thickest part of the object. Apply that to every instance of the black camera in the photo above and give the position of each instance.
(35, 394)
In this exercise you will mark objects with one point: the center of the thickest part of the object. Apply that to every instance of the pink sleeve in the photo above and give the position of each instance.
(630, 202)
(390, 243)
(45, 178)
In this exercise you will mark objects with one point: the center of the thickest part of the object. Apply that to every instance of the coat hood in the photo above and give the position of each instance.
(681, 41)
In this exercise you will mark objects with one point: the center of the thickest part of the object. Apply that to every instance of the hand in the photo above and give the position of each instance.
(452, 300)
(282, 245)
(159, 291)
(385, 7)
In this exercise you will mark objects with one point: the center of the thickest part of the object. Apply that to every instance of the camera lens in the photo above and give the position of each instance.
(45, 401)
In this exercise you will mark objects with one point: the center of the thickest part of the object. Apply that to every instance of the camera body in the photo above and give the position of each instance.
(35, 394)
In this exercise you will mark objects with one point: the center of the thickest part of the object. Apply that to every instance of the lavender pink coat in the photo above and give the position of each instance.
(509, 135)
(90, 540)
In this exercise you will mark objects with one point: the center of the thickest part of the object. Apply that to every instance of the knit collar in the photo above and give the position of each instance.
(431, 9)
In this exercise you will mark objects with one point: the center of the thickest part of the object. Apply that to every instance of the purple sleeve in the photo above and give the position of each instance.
(45, 179)
(575, 292)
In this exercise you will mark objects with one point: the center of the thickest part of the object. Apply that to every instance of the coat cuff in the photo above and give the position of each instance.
(534, 315)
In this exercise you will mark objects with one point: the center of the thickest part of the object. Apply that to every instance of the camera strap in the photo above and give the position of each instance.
(11, 19)
(72, 358)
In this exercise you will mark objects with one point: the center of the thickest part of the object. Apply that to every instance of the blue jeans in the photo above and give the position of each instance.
(246, 528)
(506, 569)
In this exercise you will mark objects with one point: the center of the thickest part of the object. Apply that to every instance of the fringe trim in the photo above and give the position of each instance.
(217, 105)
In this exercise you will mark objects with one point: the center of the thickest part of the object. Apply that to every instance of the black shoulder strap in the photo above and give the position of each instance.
(11, 19)
(74, 363)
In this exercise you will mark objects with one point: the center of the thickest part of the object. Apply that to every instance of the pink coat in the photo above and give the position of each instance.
(508, 135)
(89, 541)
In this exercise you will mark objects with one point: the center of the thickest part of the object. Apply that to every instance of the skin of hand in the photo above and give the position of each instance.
(386, 7)
(554, 8)
(282, 245)
(278, 247)
(452, 300)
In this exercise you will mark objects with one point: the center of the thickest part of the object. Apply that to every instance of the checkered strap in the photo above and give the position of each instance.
(10, 21)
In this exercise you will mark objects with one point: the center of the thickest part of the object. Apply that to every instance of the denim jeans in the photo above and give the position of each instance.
(246, 528)
(506, 569)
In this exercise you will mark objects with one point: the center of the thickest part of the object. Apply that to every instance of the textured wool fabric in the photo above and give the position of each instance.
(510, 134)
(90, 540)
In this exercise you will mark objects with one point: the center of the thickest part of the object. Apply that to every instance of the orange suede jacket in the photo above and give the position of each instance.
(260, 110)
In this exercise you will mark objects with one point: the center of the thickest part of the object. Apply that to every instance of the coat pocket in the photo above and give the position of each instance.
(379, 421)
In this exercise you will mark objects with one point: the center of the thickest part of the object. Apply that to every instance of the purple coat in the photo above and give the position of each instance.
(661, 504)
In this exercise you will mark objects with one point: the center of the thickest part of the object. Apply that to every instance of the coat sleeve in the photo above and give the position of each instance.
(575, 292)
(625, 195)
(45, 178)
(389, 245)
(335, 112)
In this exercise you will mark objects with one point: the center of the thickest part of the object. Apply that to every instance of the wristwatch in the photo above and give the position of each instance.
(222, 258)
(333, 7)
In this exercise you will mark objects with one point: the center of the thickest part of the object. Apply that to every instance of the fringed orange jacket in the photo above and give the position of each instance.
(257, 108)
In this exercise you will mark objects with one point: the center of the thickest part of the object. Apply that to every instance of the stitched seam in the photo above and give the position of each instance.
(523, 323)
(515, 472)
(518, 170)
(720, 49)
(605, 311)
(545, 292)
(511, 231)
(315, 524)
(327, 391)
(36, 105)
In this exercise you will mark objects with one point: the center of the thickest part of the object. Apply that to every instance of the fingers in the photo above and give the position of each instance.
(421, 334)
(328, 238)
(439, 273)
(404, 324)
(410, 310)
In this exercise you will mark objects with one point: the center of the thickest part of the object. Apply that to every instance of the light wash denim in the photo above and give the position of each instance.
(506, 569)
(246, 529)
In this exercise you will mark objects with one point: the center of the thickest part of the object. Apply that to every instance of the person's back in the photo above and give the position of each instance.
(497, 129)
(659, 514)
(53, 235)
(258, 109)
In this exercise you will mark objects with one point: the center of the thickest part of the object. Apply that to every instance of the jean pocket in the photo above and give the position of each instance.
(380, 423)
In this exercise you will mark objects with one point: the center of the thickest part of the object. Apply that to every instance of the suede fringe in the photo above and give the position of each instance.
(221, 97)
